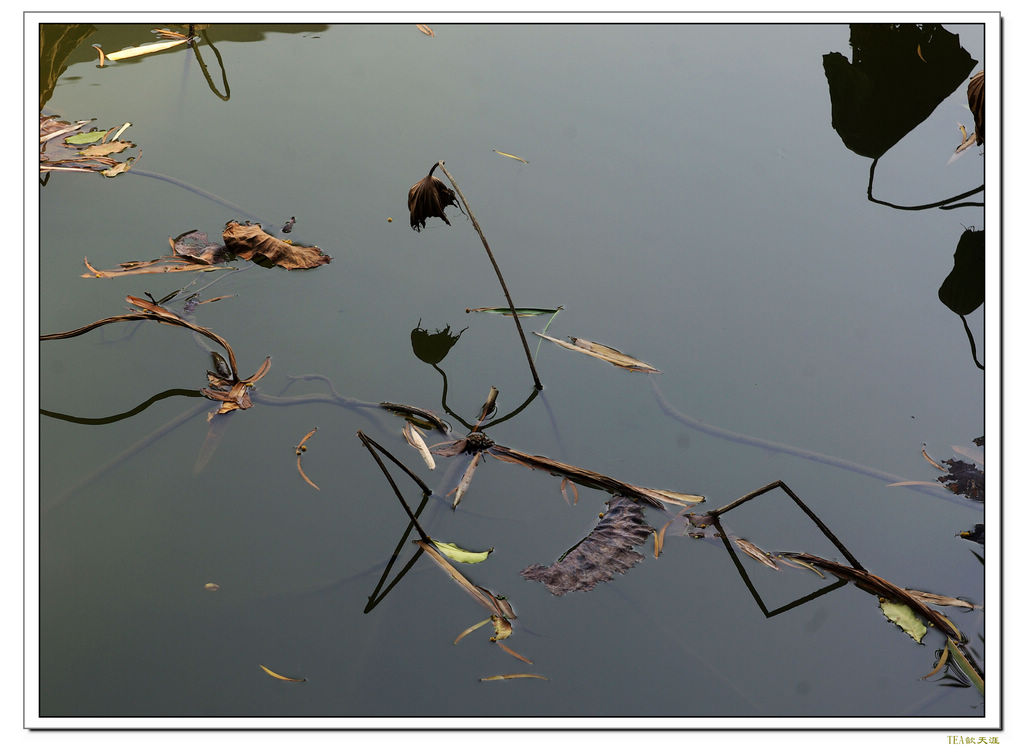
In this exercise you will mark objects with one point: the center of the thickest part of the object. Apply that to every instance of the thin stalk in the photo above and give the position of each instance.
(501, 279)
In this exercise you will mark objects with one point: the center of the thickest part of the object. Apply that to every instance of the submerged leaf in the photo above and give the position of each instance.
(607, 551)
(602, 352)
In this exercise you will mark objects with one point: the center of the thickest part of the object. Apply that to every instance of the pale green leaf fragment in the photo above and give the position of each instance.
(89, 137)
(903, 617)
(461, 555)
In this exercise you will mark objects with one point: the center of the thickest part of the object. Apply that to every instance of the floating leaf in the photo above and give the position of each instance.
(903, 617)
(279, 676)
(942, 600)
(103, 150)
(603, 352)
(120, 168)
(467, 476)
(605, 552)
(145, 49)
(484, 597)
(520, 312)
(882, 588)
(461, 555)
(414, 437)
(502, 628)
(249, 241)
(512, 652)
(510, 156)
(213, 587)
(575, 492)
(299, 451)
(89, 137)
(756, 553)
(425, 29)
(471, 629)
(501, 677)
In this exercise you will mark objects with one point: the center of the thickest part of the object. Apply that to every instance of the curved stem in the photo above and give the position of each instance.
(494, 263)
(940, 204)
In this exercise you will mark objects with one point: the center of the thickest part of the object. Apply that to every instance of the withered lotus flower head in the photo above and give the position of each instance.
(428, 198)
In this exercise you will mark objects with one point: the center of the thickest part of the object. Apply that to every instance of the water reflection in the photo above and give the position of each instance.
(897, 76)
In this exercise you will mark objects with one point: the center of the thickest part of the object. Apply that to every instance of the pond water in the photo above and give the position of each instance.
(684, 198)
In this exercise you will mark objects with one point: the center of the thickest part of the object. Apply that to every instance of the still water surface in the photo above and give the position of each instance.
(686, 200)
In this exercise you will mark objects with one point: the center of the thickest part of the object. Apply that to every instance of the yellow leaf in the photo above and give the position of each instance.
(510, 156)
(904, 617)
(278, 676)
(461, 555)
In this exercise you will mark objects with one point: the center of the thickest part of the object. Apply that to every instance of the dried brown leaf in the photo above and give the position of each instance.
(250, 241)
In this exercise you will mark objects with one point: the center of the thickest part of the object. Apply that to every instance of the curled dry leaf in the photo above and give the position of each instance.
(250, 241)
(414, 437)
(213, 587)
(299, 451)
(425, 29)
(429, 198)
(279, 676)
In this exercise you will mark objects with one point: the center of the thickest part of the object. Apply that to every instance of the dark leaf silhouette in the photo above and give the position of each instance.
(429, 198)
(433, 347)
(607, 551)
(963, 290)
(897, 75)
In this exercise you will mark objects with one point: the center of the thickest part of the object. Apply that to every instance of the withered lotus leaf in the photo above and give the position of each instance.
(429, 198)
(196, 246)
(250, 240)
(607, 551)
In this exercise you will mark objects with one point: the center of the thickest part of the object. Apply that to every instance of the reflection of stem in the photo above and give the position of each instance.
(970, 338)
(131, 451)
(716, 513)
(198, 191)
(224, 76)
(753, 590)
(127, 414)
(807, 454)
(373, 600)
(941, 204)
(501, 279)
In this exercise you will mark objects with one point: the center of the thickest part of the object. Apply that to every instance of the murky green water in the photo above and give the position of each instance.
(686, 200)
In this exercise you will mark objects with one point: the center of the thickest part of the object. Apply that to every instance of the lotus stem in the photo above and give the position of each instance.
(494, 263)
